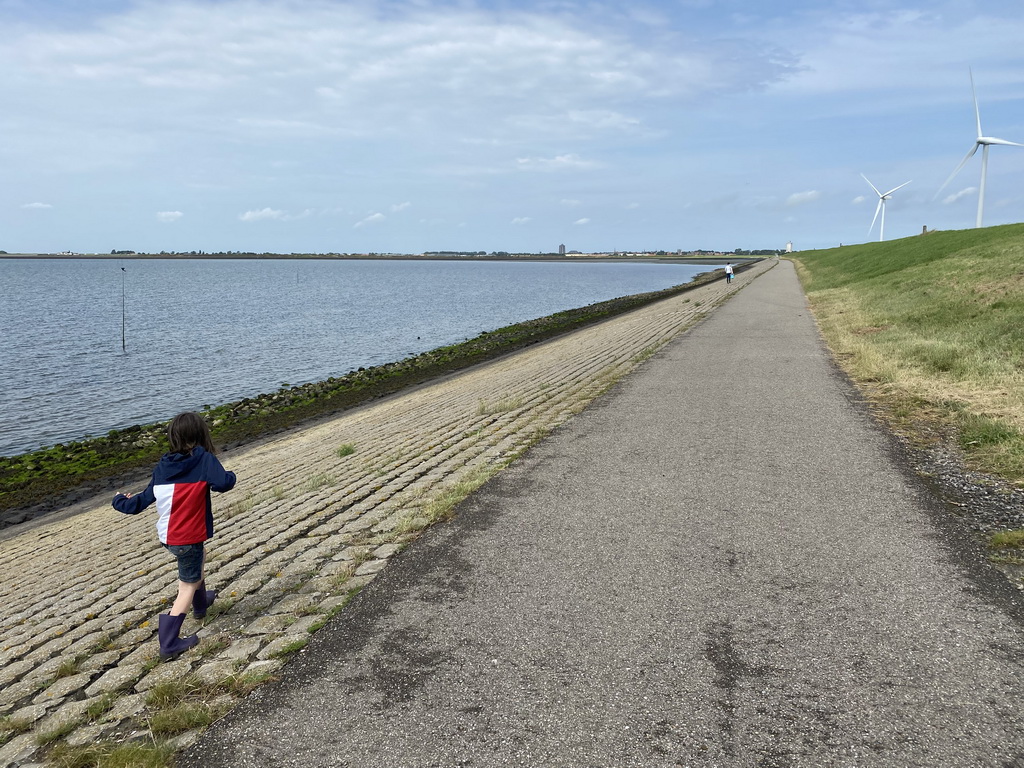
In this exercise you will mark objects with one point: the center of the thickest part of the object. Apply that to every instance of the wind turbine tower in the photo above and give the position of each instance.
(882, 197)
(984, 142)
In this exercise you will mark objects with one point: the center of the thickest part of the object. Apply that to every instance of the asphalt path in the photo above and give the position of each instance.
(720, 563)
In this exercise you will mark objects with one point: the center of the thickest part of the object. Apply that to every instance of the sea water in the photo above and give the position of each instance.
(201, 332)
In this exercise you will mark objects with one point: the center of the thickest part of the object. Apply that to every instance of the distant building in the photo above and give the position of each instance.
(789, 247)
(561, 250)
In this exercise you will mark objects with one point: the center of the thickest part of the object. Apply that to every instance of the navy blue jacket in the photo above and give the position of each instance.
(181, 488)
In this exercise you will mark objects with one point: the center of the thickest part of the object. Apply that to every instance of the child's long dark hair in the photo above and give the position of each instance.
(186, 431)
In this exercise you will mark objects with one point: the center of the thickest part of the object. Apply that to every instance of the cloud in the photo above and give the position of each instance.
(328, 103)
(571, 203)
(966, 192)
(632, 206)
(581, 222)
(520, 219)
(604, 119)
(272, 214)
(373, 218)
(901, 49)
(802, 198)
(262, 215)
(858, 199)
(351, 68)
(35, 206)
(169, 216)
(559, 163)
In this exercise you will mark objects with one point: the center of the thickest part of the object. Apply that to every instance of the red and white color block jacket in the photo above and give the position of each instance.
(181, 488)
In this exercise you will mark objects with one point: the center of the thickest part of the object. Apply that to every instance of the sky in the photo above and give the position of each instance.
(319, 126)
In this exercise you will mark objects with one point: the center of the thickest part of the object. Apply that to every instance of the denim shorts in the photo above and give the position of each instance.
(190, 561)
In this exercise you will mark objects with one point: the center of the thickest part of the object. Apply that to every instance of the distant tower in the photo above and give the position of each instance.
(561, 250)
(789, 247)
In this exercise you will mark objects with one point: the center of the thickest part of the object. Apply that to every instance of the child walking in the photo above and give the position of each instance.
(181, 485)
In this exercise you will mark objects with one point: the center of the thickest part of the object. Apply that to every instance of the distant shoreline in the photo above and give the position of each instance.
(549, 257)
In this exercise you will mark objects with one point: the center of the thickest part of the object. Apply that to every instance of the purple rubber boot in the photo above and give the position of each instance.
(203, 599)
(172, 646)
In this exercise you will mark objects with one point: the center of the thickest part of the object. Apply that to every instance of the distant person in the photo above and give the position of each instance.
(728, 272)
(181, 485)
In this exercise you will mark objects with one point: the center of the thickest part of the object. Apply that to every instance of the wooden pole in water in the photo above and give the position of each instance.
(123, 346)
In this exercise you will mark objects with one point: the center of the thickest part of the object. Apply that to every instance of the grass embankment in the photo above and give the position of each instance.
(49, 474)
(932, 328)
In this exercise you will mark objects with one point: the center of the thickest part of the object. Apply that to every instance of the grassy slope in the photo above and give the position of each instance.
(933, 327)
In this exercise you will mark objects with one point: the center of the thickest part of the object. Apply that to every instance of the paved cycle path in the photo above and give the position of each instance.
(721, 563)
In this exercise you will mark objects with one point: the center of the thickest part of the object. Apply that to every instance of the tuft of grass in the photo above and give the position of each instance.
(49, 737)
(242, 685)
(646, 353)
(340, 579)
(308, 610)
(1003, 540)
(412, 522)
(105, 643)
(223, 605)
(211, 646)
(172, 692)
(292, 647)
(67, 668)
(485, 407)
(346, 449)
(175, 707)
(316, 482)
(978, 429)
(993, 444)
(186, 716)
(240, 506)
(111, 755)
(101, 706)
(318, 625)
(187, 703)
(11, 727)
(442, 506)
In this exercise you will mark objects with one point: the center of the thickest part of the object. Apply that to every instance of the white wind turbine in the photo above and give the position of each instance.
(984, 142)
(882, 197)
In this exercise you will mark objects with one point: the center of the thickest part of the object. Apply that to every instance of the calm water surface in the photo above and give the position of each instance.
(205, 332)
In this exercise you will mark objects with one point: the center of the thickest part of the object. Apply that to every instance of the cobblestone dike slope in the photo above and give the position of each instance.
(315, 515)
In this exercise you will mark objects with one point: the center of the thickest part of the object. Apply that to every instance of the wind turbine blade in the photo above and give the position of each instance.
(881, 202)
(1002, 142)
(901, 186)
(871, 185)
(963, 162)
(977, 112)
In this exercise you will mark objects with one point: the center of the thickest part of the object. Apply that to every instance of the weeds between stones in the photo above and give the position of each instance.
(502, 405)
(111, 755)
(316, 482)
(10, 727)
